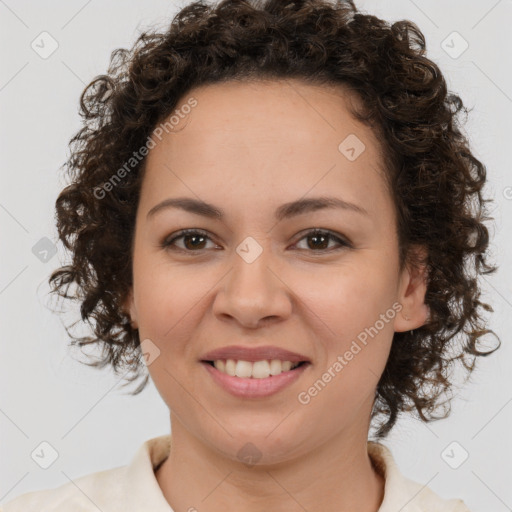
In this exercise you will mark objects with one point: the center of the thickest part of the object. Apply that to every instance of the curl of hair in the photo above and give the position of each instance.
(435, 180)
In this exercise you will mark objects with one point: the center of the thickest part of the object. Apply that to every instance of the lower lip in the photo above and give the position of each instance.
(255, 388)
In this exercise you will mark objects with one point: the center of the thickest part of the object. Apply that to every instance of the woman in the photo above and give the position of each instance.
(272, 209)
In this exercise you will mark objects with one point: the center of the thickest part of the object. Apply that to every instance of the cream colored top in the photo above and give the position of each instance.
(134, 488)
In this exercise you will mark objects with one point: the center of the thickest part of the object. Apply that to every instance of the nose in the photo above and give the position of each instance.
(253, 293)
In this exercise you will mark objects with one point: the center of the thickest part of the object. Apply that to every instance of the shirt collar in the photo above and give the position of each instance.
(398, 494)
(142, 491)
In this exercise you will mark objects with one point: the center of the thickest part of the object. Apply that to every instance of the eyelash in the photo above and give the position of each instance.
(168, 242)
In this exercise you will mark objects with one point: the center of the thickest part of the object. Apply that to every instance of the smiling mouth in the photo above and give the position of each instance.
(254, 370)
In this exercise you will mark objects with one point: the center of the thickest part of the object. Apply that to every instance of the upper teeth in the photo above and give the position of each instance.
(256, 370)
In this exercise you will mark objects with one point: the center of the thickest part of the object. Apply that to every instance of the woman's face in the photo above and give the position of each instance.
(254, 279)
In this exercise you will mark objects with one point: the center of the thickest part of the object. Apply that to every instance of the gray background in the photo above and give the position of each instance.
(82, 412)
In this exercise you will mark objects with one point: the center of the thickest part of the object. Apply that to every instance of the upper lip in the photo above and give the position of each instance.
(252, 354)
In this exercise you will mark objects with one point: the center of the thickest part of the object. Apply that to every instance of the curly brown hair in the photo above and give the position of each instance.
(435, 181)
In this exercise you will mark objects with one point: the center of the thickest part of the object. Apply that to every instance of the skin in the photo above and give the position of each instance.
(247, 148)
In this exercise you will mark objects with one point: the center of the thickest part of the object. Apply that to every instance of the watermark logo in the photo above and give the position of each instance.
(249, 454)
(454, 45)
(44, 455)
(149, 351)
(454, 455)
(44, 250)
(507, 193)
(249, 250)
(44, 45)
(351, 147)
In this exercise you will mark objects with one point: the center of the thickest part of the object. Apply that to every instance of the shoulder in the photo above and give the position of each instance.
(129, 488)
(402, 493)
(425, 499)
(92, 492)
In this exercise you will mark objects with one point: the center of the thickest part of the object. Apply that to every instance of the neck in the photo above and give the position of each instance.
(337, 476)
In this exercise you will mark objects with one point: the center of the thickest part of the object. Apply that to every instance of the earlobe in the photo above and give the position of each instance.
(412, 291)
(130, 310)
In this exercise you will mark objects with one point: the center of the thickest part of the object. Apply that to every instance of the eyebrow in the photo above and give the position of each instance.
(285, 211)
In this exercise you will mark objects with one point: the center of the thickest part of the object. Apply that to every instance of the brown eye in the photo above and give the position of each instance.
(318, 240)
(193, 240)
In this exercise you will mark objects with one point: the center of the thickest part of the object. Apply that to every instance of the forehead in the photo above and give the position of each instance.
(279, 138)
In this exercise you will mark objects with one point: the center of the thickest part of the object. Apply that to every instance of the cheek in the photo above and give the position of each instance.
(357, 311)
(349, 298)
(356, 332)
(163, 296)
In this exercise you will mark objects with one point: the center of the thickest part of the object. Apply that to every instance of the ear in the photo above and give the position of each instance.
(412, 290)
(130, 309)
